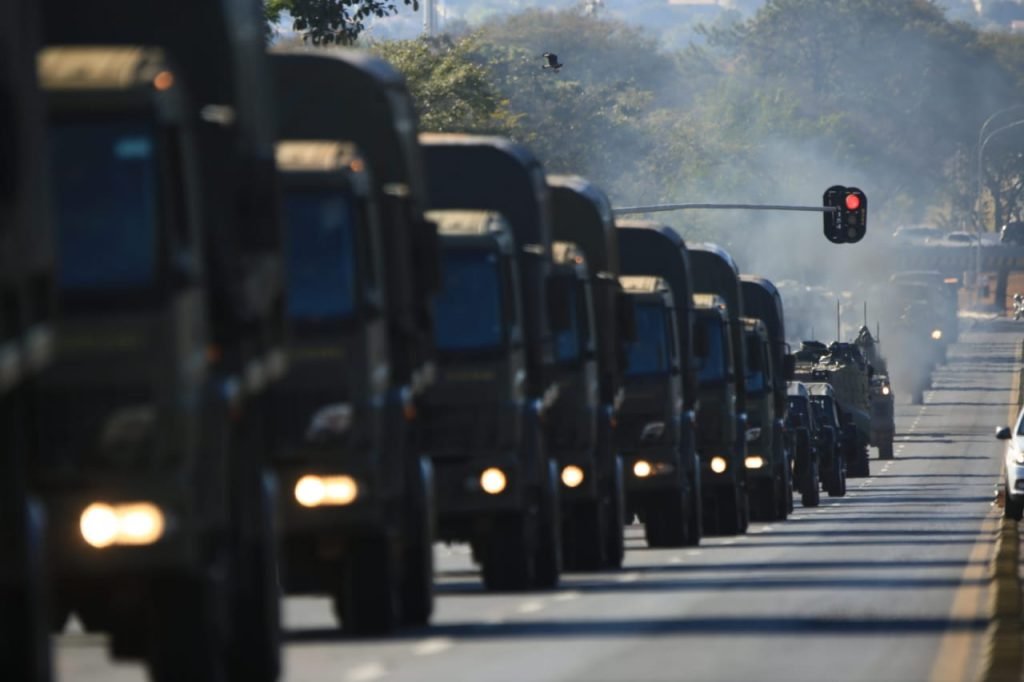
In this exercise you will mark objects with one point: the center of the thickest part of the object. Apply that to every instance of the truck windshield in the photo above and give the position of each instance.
(755, 365)
(649, 353)
(567, 341)
(321, 255)
(711, 365)
(468, 310)
(105, 192)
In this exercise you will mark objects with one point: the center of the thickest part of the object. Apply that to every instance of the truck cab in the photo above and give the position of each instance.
(154, 465)
(27, 270)
(346, 416)
(670, 493)
(508, 507)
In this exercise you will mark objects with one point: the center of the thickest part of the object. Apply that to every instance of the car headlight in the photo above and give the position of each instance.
(718, 464)
(135, 523)
(753, 462)
(493, 481)
(572, 476)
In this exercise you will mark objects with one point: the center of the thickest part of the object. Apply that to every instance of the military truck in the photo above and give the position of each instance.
(591, 470)
(26, 338)
(715, 272)
(849, 374)
(831, 435)
(650, 427)
(767, 477)
(153, 457)
(497, 481)
(944, 294)
(665, 487)
(772, 485)
(357, 499)
(883, 418)
(804, 432)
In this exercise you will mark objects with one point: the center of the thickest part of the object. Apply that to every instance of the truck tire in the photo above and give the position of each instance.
(416, 598)
(584, 536)
(186, 637)
(666, 520)
(885, 450)
(1014, 508)
(547, 562)
(837, 486)
(810, 491)
(615, 539)
(366, 601)
(24, 620)
(781, 511)
(506, 560)
(694, 521)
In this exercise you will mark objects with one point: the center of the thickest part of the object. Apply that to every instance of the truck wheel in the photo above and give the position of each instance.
(694, 521)
(781, 512)
(1014, 508)
(615, 538)
(506, 560)
(366, 602)
(810, 494)
(186, 640)
(417, 588)
(24, 619)
(885, 450)
(547, 564)
(666, 520)
(583, 536)
(837, 486)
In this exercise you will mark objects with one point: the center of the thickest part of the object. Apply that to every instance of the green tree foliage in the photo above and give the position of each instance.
(323, 22)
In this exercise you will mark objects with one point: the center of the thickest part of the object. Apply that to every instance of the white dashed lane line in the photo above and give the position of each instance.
(531, 607)
(432, 646)
(366, 672)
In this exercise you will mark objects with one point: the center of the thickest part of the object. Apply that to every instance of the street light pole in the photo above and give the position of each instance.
(981, 152)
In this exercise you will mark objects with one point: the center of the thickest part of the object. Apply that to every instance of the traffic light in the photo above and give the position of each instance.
(848, 222)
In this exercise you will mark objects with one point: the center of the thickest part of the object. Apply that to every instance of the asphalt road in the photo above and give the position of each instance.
(888, 583)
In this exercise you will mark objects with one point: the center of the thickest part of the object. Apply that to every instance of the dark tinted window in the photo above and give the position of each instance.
(321, 262)
(712, 364)
(650, 352)
(568, 341)
(755, 380)
(104, 182)
(468, 310)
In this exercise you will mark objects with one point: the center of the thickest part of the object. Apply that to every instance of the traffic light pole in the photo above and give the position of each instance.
(665, 208)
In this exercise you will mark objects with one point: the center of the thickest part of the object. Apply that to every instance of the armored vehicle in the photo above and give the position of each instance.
(497, 481)
(356, 497)
(26, 338)
(943, 292)
(772, 484)
(715, 272)
(832, 434)
(849, 374)
(803, 427)
(883, 420)
(651, 420)
(672, 486)
(591, 470)
(153, 457)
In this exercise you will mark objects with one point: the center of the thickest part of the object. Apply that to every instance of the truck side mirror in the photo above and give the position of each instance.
(789, 367)
(558, 302)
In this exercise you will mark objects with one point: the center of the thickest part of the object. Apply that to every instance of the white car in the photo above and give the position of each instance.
(1014, 467)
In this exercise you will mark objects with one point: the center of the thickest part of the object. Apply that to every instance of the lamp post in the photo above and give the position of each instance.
(981, 151)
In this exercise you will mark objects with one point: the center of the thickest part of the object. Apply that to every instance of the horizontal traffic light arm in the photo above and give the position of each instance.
(664, 208)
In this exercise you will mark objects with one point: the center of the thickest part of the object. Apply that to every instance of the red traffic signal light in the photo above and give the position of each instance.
(846, 214)
(852, 202)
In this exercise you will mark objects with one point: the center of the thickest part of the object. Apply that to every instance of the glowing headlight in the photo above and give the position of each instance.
(642, 469)
(886, 390)
(752, 462)
(493, 481)
(136, 523)
(719, 465)
(937, 334)
(572, 476)
(315, 491)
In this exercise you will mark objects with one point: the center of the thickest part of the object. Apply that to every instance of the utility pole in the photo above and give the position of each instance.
(429, 18)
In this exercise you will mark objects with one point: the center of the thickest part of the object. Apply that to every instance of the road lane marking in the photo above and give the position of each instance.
(566, 596)
(675, 560)
(531, 607)
(693, 552)
(366, 672)
(729, 541)
(434, 645)
(629, 577)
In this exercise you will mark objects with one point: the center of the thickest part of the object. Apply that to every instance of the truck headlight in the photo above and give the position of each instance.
(718, 464)
(572, 476)
(886, 390)
(937, 334)
(135, 523)
(642, 468)
(335, 491)
(753, 462)
(493, 481)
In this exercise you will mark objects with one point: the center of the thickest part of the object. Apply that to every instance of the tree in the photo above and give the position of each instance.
(323, 22)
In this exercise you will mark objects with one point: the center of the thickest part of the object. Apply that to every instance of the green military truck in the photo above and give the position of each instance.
(831, 457)
(591, 470)
(772, 484)
(26, 337)
(804, 432)
(498, 314)
(356, 497)
(649, 431)
(725, 487)
(883, 418)
(656, 430)
(153, 458)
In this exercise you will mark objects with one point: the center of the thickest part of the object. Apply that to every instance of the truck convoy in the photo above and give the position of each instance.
(280, 343)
